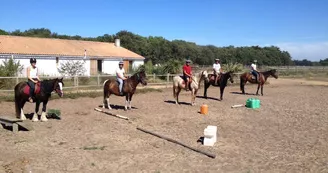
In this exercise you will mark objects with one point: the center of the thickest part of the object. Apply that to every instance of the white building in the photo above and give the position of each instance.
(50, 53)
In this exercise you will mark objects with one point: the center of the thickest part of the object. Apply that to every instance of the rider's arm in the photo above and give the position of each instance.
(37, 75)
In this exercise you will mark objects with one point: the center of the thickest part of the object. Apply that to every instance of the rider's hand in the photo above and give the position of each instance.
(35, 81)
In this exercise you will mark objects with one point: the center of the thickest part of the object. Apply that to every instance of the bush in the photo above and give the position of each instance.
(9, 68)
(72, 68)
(234, 67)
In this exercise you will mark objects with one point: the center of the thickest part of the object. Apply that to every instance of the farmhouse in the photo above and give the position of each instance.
(98, 57)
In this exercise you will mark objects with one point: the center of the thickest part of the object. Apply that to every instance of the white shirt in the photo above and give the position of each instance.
(33, 72)
(119, 72)
(253, 67)
(216, 67)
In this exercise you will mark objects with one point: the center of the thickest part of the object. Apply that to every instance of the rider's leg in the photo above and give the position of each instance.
(32, 88)
(120, 81)
(216, 78)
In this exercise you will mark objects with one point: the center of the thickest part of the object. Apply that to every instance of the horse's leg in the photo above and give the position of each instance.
(126, 102)
(242, 85)
(35, 115)
(206, 85)
(177, 95)
(20, 108)
(130, 98)
(262, 89)
(258, 87)
(44, 109)
(194, 96)
(221, 92)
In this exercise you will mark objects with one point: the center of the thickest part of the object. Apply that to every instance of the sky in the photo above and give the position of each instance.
(297, 26)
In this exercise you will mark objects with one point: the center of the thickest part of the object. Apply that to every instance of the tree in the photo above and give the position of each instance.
(160, 50)
(9, 68)
(72, 68)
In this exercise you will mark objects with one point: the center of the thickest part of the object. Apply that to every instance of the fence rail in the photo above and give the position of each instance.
(80, 82)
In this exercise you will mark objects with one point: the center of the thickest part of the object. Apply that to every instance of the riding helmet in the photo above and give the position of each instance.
(121, 62)
(32, 60)
(188, 60)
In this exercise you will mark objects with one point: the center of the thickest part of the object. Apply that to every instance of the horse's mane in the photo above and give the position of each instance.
(47, 85)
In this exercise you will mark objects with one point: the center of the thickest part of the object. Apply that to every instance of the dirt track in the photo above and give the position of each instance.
(289, 133)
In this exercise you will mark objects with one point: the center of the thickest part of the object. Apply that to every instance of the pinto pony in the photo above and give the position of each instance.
(43, 92)
(263, 76)
(129, 87)
(178, 84)
(222, 82)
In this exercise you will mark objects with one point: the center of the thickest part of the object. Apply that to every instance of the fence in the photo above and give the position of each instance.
(91, 82)
(80, 82)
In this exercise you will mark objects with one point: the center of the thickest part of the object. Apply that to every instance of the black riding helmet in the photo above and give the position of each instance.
(32, 60)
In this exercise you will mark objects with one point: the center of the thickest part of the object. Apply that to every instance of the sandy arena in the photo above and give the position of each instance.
(289, 133)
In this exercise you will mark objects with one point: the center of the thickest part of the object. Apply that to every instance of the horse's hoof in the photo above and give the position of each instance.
(35, 120)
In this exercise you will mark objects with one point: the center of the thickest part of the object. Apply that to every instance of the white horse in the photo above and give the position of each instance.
(178, 84)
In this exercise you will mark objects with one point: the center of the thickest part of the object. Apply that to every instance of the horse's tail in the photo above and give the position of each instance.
(17, 108)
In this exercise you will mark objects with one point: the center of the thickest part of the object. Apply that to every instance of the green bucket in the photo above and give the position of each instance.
(253, 103)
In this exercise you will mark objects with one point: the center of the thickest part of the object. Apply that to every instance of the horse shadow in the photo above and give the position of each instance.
(117, 107)
(173, 102)
(242, 93)
(211, 98)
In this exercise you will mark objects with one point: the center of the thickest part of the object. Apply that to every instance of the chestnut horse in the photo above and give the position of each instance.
(222, 82)
(178, 84)
(42, 94)
(129, 87)
(263, 76)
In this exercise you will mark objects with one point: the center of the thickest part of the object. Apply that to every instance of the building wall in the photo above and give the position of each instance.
(137, 63)
(109, 66)
(46, 67)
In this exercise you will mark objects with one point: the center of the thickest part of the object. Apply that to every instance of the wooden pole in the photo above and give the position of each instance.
(177, 142)
(115, 115)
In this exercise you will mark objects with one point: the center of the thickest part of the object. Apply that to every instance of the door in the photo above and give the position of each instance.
(126, 66)
(99, 66)
(93, 67)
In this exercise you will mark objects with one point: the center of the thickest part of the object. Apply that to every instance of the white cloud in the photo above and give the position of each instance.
(311, 51)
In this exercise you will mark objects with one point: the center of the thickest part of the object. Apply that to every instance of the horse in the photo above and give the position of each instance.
(178, 84)
(263, 76)
(110, 86)
(222, 82)
(43, 90)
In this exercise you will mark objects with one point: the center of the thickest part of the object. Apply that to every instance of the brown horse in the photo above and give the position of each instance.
(129, 88)
(222, 82)
(42, 94)
(263, 76)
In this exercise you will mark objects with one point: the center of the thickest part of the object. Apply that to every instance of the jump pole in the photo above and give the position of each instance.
(177, 142)
(115, 115)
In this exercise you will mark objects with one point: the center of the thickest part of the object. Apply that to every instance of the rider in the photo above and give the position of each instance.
(120, 76)
(187, 74)
(254, 71)
(217, 70)
(33, 78)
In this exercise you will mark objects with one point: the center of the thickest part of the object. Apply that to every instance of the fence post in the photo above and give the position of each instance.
(154, 76)
(17, 80)
(98, 81)
(167, 79)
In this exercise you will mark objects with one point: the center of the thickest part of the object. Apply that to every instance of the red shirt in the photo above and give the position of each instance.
(187, 69)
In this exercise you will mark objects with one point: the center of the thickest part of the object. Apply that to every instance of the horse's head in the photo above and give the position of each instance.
(273, 73)
(58, 86)
(205, 76)
(230, 76)
(142, 78)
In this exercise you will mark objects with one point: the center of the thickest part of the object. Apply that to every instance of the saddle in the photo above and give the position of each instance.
(36, 91)
(184, 82)
(213, 77)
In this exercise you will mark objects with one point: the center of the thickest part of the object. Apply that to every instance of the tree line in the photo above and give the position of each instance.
(159, 50)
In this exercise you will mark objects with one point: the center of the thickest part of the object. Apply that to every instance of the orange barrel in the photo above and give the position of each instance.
(204, 109)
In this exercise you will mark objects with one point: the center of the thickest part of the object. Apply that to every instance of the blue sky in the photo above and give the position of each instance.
(300, 27)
